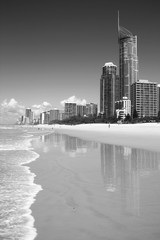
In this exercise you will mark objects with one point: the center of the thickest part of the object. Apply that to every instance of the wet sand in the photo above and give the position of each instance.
(78, 203)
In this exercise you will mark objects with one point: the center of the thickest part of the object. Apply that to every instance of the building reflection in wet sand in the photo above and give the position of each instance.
(121, 169)
(69, 144)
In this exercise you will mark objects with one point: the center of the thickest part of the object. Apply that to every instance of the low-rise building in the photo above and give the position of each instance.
(123, 108)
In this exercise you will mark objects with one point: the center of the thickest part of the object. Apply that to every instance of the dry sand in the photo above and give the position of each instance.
(144, 135)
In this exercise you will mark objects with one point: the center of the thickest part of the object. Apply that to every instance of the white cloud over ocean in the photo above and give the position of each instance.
(74, 99)
(12, 106)
(11, 110)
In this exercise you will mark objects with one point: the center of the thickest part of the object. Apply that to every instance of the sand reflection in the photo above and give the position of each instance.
(121, 167)
(96, 191)
(68, 144)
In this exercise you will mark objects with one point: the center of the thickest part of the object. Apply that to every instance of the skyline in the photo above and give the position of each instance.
(52, 51)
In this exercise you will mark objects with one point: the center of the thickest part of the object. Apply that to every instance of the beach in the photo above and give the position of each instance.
(83, 182)
(98, 182)
(142, 135)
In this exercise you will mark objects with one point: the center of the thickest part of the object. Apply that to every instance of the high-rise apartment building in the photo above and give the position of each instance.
(144, 98)
(158, 98)
(128, 60)
(28, 112)
(70, 109)
(91, 109)
(107, 89)
(54, 115)
(29, 116)
(44, 117)
(81, 110)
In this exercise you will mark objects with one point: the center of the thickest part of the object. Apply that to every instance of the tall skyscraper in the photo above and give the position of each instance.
(128, 60)
(107, 89)
(144, 98)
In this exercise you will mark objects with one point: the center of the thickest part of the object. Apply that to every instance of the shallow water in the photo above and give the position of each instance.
(17, 187)
(95, 191)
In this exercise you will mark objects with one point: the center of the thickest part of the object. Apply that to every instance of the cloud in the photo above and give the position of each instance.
(39, 108)
(43, 105)
(12, 106)
(74, 99)
(46, 104)
(10, 110)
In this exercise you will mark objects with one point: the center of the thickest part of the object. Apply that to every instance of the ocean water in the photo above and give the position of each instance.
(91, 190)
(17, 187)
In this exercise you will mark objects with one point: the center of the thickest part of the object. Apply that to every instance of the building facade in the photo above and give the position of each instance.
(108, 89)
(91, 109)
(117, 89)
(44, 118)
(144, 98)
(158, 98)
(54, 115)
(128, 60)
(70, 109)
(123, 108)
(81, 110)
(29, 116)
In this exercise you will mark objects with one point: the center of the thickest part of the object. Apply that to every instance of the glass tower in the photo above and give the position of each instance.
(107, 89)
(128, 60)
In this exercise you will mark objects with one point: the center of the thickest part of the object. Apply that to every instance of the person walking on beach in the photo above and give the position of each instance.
(109, 125)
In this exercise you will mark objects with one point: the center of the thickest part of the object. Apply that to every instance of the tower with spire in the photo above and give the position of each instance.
(128, 60)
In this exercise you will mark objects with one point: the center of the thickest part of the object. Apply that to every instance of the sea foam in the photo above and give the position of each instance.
(18, 190)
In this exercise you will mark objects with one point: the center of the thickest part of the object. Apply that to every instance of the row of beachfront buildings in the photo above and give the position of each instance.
(145, 99)
(70, 110)
(120, 94)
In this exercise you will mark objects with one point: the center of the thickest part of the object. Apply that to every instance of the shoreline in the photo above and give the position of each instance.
(47, 170)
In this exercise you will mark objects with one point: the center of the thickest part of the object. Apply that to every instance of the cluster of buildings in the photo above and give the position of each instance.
(120, 94)
(28, 118)
(125, 93)
(70, 110)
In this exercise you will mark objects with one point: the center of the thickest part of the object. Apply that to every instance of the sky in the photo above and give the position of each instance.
(51, 51)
